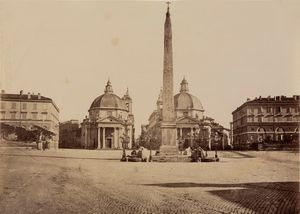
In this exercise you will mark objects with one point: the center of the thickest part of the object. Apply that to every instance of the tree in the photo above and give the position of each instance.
(149, 141)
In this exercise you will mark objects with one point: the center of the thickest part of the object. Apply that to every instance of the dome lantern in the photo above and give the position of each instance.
(108, 88)
(184, 85)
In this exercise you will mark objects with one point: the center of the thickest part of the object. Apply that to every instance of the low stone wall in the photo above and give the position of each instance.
(268, 147)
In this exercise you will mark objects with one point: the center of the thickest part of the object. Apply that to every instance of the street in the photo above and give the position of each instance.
(89, 181)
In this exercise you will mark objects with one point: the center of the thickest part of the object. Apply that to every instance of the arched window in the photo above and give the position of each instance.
(279, 134)
(260, 134)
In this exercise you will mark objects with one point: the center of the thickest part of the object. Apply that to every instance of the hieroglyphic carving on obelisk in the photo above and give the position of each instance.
(168, 126)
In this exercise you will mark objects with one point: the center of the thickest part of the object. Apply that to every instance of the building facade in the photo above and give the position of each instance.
(110, 120)
(70, 134)
(269, 120)
(29, 110)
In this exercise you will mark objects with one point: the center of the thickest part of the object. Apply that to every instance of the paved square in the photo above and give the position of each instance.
(81, 181)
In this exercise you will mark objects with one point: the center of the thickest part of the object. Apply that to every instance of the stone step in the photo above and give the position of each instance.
(171, 158)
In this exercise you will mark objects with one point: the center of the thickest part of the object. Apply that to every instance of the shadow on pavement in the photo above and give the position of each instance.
(261, 197)
(53, 156)
(243, 154)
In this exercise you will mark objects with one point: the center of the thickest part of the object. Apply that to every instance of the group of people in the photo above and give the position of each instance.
(43, 142)
(142, 153)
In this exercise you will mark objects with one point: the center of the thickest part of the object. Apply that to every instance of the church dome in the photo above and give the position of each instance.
(108, 99)
(185, 100)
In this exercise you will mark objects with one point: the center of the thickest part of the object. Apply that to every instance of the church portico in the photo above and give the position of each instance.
(109, 118)
(109, 136)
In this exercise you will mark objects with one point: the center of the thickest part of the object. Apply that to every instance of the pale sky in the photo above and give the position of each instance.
(228, 50)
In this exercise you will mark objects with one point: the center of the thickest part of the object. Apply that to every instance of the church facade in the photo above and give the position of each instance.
(110, 120)
(191, 123)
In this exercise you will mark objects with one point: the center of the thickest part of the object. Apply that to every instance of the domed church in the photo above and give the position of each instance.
(110, 117)
(190, 117)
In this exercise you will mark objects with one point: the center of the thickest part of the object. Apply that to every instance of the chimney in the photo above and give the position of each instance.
(2, 91)
(28, 95)
(21, 92)
(39, 96)
(248, 99)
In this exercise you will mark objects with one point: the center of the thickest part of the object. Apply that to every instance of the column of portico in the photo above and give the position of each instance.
(119, 139)
(103, 137)
(209, 137)
(192, 131)
(115, 138)
(180, 132)
(99, 143)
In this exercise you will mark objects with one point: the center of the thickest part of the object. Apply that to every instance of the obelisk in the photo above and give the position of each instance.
(168, 125)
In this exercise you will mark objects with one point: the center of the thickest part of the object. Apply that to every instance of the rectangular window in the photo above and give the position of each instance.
(23, 115)
(13, 115)
(34, 106)
(24, 105)
(3, 115)
(2, 105)
(34, 115)
(278, 109)
(44, 116)
(13, 105)
(269, 109)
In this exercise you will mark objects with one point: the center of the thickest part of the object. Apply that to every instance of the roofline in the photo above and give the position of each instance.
(272, 100)
(33, 100)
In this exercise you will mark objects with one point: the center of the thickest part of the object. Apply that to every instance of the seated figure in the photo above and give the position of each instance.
(133, 153)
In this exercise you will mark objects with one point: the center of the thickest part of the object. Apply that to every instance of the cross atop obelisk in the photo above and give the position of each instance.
(168, 3)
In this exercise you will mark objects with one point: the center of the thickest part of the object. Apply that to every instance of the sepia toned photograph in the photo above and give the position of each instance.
(130, 107)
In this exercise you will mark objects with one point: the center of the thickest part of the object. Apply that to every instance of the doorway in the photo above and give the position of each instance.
(108, 143)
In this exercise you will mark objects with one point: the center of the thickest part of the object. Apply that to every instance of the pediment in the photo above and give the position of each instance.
(187, 120)
(109, 119)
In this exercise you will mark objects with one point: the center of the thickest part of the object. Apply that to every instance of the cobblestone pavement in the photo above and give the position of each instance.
(74, 181)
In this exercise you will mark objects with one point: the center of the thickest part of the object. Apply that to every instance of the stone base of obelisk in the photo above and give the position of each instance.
(169, 151)
(170, 154)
